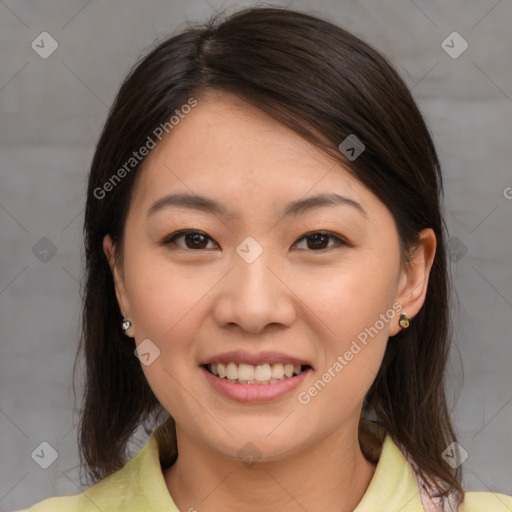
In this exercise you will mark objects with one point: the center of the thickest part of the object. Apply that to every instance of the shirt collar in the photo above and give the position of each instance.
(393, 485)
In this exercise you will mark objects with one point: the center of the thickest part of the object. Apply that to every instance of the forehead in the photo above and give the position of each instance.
(226, 147)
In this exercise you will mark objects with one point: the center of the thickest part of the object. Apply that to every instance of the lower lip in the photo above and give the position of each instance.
(254, 392)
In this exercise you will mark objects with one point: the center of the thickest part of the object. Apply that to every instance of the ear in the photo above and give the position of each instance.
(122, 299)
(413, 280)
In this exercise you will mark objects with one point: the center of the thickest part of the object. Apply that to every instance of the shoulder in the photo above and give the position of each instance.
(115, 492)
(72, 503)
(479, 501)
(118, 491)
(138, 485)
(111, 493)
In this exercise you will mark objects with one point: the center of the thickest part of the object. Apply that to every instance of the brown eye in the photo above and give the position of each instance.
(193, 240)
(319, 240)
(197, 240)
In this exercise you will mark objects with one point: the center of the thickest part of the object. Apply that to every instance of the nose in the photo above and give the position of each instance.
(254, 296)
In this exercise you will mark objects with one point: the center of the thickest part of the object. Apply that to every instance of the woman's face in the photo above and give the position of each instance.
(259, 280)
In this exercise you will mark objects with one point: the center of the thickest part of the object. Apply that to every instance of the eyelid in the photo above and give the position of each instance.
(341, 241)
(169, 240)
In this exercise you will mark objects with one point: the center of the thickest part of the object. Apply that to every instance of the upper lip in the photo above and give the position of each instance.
(242, 356)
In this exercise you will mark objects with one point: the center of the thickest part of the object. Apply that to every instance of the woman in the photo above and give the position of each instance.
(263, 222)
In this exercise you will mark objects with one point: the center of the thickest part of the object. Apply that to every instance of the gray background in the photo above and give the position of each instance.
(52, 111)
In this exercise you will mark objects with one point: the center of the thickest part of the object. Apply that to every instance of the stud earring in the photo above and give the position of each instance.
(127, 326)
(404, 320)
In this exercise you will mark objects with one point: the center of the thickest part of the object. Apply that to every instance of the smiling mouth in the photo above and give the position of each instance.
(255, 374)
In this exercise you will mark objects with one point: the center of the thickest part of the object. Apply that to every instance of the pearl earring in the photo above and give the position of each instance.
(127, 326)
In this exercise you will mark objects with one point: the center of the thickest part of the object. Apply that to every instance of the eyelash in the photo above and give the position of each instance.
(171, 239)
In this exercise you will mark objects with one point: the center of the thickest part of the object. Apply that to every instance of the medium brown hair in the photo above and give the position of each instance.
(325, 84)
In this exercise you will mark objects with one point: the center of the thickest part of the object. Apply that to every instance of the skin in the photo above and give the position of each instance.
(294, 298)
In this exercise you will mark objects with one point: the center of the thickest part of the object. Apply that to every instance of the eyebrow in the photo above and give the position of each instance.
(209, 205)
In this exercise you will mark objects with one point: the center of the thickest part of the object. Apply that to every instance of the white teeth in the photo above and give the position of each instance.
(288, 369)
(245, 372)
(232, 371)
(259, 374)
(262, 372)
(278, 371)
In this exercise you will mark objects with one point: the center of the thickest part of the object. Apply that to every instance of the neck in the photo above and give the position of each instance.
(329, 476)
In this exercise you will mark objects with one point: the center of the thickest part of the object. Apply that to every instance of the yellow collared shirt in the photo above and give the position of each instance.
(140, 487)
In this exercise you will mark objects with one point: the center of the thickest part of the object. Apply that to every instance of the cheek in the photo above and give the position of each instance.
(350, 298)
(163, 301)
(161, 294)
(349, 305)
